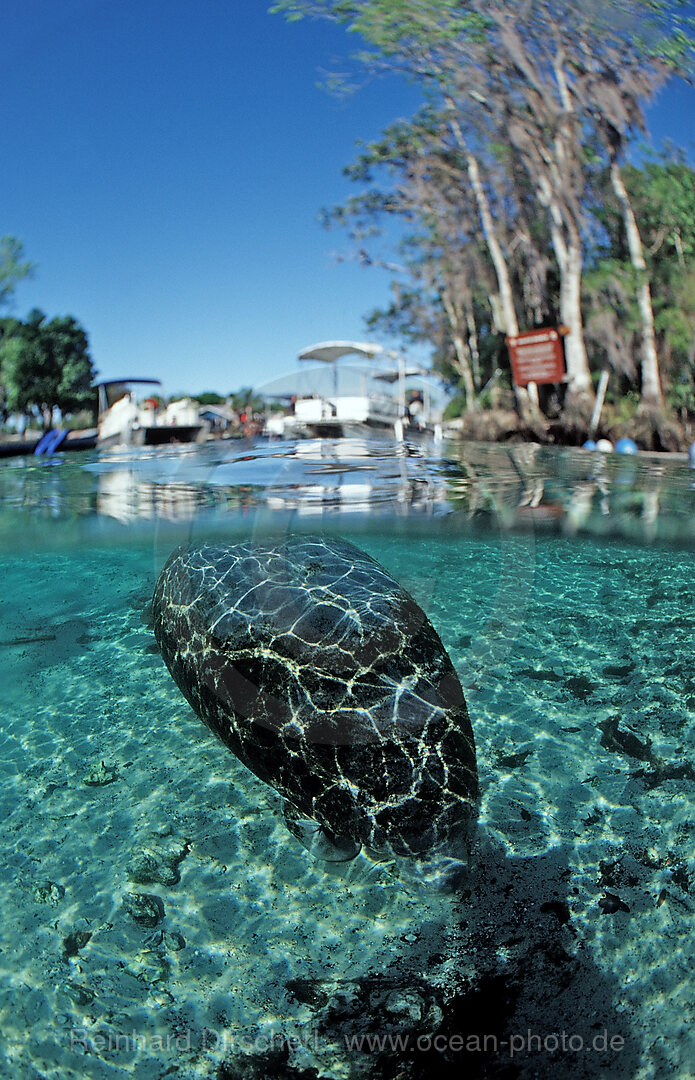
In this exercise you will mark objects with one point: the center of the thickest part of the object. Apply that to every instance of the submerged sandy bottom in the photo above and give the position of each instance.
(569, 945)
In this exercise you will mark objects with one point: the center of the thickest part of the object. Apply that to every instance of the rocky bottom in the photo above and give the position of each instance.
(157, 918)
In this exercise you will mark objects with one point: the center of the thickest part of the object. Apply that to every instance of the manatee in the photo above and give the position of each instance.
(324, 676)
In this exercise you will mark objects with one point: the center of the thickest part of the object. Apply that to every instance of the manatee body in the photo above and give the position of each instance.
(326, 679)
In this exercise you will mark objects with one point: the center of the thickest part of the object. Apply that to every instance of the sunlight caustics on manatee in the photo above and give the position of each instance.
(325, 677)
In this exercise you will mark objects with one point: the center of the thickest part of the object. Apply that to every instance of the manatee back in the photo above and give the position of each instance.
(325, 677)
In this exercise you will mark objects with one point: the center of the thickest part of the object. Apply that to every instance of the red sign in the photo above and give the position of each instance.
(537, 356)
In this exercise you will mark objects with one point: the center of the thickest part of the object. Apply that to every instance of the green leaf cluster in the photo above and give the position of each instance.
(545, 98)
(13, 267)
(45, 365)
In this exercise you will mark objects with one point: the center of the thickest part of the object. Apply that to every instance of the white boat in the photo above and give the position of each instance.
(123, 421)
(337, 414)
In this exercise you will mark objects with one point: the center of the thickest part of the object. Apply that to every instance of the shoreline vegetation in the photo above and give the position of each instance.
(519, 196)
(660, 431)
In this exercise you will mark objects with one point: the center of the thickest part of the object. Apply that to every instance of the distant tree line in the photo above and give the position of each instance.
(44, 365)
(245, 400)
(512, 202)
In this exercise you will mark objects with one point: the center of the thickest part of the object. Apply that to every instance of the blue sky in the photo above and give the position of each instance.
(165, 162)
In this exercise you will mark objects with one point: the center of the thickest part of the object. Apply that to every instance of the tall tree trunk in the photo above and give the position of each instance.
(528, 408)
(571, 315)
(567, 244)
(651, 383)
(473, 345)
(461, 349)
(494, 247)
(568, 252)
(463, 357)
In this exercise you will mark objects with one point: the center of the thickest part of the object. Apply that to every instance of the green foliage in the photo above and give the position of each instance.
(13, 267)
(675, 318)
(210, 398)
(626, 406)
(247, 401)
(546, 97)
(456, 406)
(391, 25)
(681, 397)
(663, 196)
(45, 365)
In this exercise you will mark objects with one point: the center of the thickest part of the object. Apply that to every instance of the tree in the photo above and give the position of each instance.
(610, 84)
(13, 267)
(455, 260)
(433, 292)
(209, 397)
(46, 365)
(246, 400)
(557, 82)
(494, 61)
(662, 198)
(663, 195)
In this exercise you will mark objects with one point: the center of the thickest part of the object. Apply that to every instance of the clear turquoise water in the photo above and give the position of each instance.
(562, 586)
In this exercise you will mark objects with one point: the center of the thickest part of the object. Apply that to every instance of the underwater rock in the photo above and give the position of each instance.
(101, 775)
(324, 676)
(158, 861)
(271, 1064)
(406, 1005)
(48, 892)
(74, 941)
(559, 908)
(381, 1004)
(144, 908)
(79, 994)
(174, 941)
(614, 738)
(610, 903)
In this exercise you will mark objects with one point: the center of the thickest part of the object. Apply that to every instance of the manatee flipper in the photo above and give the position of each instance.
(319, 841)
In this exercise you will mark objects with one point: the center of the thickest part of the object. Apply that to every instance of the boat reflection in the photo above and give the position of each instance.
(308, 477)
(511, 488)
(478, 486)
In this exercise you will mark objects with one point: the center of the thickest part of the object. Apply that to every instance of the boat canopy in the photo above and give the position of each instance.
(394, 374)
(112, 390)
(119, 382)
(330, 351)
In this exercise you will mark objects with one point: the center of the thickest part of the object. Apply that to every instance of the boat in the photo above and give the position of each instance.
(336, 414)
(125, 422)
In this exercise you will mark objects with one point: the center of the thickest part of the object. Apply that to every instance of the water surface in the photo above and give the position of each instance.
(562, 585)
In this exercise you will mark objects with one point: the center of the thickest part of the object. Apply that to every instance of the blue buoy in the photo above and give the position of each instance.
(49, 443)
(626, 446)
(691, 456)
(589, 445)
(44, 442)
